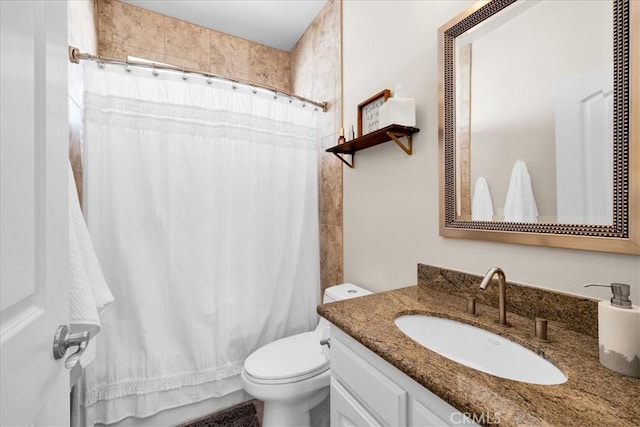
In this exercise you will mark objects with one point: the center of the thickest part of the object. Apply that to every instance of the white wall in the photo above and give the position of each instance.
(391, 199)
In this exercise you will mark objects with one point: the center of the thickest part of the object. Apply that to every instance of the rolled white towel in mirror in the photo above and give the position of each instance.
(481, 205)
(520, 204)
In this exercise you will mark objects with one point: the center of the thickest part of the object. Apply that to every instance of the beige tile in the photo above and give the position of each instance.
(326, 48)
(328, 29)
(230, 56)
(329, 141)
(109, 49)
(315, 74)
(144, 53)
(331, 202)
(330, 184)
(302, 66)
(187, 41)
(75, 145)
(104, 19)
(324, 77)
(122, 51)
(302, 73)
(331, 267)
(338, 105)
(270, 67)
(185, 63)
(136, 27)
(327, 124)
(315, 65)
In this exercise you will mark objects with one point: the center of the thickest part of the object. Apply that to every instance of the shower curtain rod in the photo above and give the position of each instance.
(75, 56)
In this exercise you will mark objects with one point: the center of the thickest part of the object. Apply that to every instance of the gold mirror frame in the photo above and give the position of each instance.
(623, 236)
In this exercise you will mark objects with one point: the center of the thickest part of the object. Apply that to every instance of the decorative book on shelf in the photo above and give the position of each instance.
(389, 133)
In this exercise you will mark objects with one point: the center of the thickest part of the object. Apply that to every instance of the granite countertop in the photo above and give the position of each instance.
(592, 395)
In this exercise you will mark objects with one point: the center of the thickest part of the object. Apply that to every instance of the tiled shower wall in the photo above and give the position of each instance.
(316, 73)
(311, 70)
(126, 30)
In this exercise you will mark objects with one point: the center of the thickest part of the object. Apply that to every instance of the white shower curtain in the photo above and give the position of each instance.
(201, 200)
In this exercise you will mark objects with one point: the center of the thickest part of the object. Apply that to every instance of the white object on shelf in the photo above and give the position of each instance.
(398, 110)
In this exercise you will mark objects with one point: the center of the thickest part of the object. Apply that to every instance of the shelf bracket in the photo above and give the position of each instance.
(396, 138)
(353, 159)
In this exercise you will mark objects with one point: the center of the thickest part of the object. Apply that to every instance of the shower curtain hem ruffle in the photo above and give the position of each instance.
(150, 405)
(152, 385)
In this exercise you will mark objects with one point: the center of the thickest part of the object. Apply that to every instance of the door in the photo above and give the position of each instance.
(584, 148)
(33, 211)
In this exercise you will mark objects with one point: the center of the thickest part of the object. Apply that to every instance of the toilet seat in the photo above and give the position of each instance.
(287, 360)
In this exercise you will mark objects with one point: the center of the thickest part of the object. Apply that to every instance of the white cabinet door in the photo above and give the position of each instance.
(367, 390)
(33, 211)
(380, 395)
(346, 411)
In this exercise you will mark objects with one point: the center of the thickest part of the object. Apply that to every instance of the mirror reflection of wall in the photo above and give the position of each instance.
(526, 69)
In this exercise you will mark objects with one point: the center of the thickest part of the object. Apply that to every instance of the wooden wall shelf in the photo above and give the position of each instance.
(389, 133)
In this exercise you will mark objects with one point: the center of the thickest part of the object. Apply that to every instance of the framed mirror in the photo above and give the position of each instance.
(539, 124)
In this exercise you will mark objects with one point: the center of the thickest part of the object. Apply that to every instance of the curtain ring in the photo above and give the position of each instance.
(153, 67)
(184, 74)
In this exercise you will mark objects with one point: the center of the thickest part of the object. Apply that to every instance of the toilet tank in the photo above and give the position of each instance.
(337, 293)
(342, 292)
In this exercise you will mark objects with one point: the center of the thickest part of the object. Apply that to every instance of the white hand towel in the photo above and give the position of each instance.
(520, 204)
(88, 291)
(481, 205)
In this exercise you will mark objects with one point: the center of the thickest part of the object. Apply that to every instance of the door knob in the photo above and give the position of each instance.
(63, 340)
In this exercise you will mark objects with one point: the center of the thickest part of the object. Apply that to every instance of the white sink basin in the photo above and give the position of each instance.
(479, 349)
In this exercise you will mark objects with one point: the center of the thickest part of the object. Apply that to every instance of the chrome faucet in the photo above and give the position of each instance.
(502, 291)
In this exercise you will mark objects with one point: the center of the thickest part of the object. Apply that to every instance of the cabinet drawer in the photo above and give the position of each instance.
(346, 411)
(377, 393)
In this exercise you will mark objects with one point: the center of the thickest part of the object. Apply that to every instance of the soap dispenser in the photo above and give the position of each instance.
(619, 331)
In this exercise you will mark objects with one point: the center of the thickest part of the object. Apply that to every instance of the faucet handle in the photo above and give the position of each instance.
(471, 305)
(541, 329)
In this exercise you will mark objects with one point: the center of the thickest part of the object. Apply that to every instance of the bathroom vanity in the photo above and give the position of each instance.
(382, 377)
(366, 390)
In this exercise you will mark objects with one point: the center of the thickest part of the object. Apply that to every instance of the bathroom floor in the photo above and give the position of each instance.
(248, 414)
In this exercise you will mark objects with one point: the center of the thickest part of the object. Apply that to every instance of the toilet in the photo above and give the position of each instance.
(291, 375)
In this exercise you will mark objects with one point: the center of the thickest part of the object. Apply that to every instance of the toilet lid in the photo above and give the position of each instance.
(290, 359)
